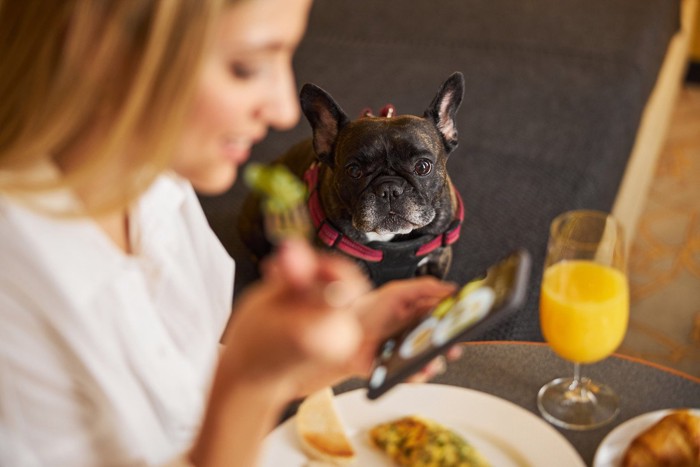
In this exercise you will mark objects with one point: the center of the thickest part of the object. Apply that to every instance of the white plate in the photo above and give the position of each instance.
(614, 445)
(504, 433)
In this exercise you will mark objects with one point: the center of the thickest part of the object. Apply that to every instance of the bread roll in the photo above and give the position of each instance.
(321, 431)
(672, 441)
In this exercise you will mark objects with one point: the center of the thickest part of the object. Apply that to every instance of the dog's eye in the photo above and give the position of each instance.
(353, 171)
(423, 167)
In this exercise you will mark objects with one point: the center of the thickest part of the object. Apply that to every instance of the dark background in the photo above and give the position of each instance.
(554, 94)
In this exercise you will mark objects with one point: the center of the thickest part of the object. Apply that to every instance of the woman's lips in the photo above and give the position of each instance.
(238, 149)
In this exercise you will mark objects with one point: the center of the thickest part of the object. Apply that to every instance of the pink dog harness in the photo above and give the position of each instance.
(385, 260)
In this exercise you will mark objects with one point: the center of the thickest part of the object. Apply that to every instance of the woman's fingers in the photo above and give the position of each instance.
(297, 265)
(437, 366)
(424, 289)
(454, 353)
(294, 262)
(398, 304)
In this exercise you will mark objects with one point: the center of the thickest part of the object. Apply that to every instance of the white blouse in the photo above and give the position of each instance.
(106, 358)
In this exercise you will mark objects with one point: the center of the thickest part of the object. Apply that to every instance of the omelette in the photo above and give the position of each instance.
(417, 442)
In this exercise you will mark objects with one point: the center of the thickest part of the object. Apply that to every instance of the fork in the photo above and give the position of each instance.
(283, 205)
(286, 215)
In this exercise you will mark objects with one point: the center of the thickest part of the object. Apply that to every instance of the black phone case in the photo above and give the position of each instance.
(513, 301)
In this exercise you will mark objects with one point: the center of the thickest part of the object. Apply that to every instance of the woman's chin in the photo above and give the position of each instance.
(216, 183)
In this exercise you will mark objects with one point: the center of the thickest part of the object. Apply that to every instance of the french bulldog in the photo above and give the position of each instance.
(378, 186)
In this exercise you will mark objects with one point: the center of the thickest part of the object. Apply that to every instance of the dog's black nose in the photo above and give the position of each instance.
(389, 187)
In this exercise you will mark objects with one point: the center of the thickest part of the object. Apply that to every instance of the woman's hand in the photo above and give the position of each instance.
(393, 307)
(295, 324)
(314, 321)
(292, 330)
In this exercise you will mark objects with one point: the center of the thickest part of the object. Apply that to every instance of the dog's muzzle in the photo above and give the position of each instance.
(389, 187)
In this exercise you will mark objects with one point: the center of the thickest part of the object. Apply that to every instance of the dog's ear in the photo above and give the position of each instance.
(443, 110)
(326, 119)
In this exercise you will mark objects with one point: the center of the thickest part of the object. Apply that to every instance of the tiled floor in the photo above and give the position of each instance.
(664, 262)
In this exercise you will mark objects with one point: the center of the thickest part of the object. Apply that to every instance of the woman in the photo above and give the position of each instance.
(114, 292)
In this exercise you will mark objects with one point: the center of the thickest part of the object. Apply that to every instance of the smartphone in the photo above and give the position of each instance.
(475, 308)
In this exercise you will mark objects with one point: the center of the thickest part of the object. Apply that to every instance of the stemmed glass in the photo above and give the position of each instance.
(584, 308)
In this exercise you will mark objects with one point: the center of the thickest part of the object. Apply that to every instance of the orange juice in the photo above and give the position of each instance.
(584, 307)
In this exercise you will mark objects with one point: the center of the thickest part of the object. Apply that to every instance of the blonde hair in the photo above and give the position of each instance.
(125, 68)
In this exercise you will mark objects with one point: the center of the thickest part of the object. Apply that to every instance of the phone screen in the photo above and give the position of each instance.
(474, 308)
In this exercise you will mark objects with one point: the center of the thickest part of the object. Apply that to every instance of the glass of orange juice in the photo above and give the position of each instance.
(584, 308)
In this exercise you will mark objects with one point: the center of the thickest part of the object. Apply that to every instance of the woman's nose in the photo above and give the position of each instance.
(283, 111)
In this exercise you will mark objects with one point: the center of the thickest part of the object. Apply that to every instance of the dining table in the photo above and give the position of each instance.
(515, 371)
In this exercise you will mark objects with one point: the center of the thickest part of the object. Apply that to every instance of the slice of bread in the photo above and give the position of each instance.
(321, 431)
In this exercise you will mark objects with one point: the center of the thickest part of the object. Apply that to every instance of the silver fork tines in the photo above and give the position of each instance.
(287, 223)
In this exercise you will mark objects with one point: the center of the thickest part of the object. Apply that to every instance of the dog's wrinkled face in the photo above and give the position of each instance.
(387, 172)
